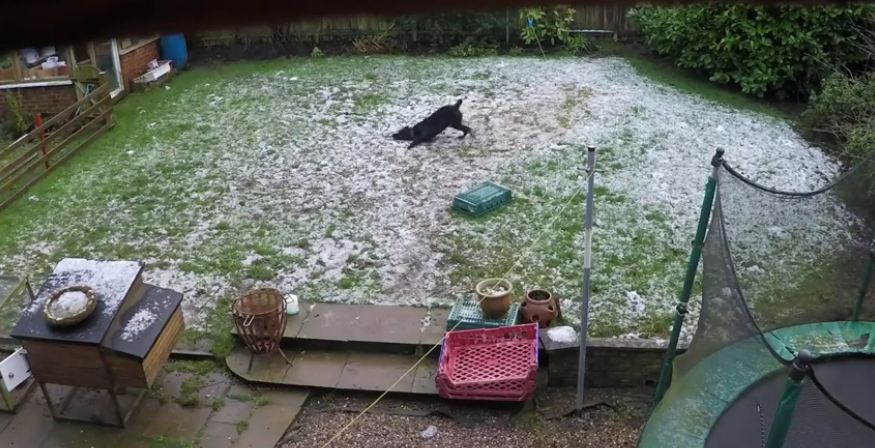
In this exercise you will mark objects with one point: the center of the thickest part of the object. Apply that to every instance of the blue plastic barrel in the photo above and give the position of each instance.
(173, 48)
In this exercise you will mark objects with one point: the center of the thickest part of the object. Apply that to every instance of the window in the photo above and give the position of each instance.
(82, 54)
(43, 63)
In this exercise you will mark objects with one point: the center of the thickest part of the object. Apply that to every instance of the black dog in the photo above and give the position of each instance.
(426, 130)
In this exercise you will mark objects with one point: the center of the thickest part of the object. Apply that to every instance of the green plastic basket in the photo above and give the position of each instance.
(482, 199)
(467, 314)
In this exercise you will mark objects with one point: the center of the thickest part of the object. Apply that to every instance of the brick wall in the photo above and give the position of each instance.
(133, 63)
(609, 363)
(46, 100)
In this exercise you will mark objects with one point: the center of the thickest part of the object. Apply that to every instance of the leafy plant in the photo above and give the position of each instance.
(845, 108)
(785, 49)
(13, 104)
(579, 45)
(469, 50)
(443, 31)
(547, 28)
(316, 53)
(377, 42)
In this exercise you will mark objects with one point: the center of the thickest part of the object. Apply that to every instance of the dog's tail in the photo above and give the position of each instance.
(458, 103)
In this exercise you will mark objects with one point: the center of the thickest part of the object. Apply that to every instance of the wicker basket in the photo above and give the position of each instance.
(56, 320)
(260, 317)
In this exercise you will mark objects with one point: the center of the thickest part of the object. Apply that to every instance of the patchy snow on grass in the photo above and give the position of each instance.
(285, 175)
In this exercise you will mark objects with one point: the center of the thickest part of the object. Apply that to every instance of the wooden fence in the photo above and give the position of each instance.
(31, 157)
(613, 18)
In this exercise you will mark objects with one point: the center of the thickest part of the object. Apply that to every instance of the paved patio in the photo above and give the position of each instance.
(191, 405)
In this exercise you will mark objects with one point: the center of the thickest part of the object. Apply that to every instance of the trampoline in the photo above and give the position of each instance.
(783, 353)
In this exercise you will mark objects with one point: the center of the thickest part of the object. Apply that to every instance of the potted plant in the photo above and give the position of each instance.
(541, 307)
(494, 295)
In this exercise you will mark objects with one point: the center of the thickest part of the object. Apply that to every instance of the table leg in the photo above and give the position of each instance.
(48, 400)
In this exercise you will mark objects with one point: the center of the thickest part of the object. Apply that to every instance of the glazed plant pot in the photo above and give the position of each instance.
(541, 307)
(494, 295)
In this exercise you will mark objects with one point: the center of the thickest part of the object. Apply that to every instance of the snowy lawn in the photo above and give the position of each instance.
(281, 173)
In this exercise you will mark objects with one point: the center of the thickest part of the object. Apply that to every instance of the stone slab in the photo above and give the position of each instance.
(219, 435)
(232, 412)
(316, 369)
(30, 426)
(330, 322)
(387, 325)
(377, 372)
(174, 421)
(267, 426)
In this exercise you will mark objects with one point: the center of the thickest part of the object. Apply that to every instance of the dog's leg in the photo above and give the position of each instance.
(465, 129)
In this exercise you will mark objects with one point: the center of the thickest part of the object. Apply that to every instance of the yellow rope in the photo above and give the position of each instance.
(433, 347)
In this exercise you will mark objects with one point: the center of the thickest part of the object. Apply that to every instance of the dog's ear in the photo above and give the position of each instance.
(458, 103)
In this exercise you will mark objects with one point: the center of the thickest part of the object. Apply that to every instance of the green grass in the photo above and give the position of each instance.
(518, 241)
(189, 391)
(242, 426)
(195, 367)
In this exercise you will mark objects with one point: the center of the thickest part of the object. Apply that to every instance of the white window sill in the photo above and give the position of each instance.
(26, 84)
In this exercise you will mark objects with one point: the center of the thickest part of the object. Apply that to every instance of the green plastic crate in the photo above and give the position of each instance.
(467, 314)
(482, 198)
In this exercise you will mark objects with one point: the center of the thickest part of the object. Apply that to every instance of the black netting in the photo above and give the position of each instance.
(773, 261)
(817, 421)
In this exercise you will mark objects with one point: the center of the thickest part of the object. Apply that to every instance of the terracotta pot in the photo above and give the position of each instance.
(494, 296)
(540, 307)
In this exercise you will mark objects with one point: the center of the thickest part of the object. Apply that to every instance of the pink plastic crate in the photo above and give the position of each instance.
(498, 364)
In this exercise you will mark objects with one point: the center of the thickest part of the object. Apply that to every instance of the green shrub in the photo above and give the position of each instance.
(469, 50)
(845, 108)
(785, 49)
(579, 45)
(547, 29)
(442, 31)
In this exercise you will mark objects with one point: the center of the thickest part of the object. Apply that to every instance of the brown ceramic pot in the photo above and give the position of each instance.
(494, 296)
(540, 307)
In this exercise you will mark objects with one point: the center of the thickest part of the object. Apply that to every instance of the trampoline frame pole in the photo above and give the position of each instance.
(787, 404)
(864, 283)
(587, 271)
(692, 267)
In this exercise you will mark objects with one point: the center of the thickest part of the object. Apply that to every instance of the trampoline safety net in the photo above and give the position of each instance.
(783, 272)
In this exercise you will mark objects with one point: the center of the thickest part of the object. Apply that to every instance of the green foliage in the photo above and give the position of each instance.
(13, 104)
(845, 108)
(470, 50)
(548, 28)
(579, 45)
(785, 49)
(189, 391)
(377, 42)
(316, 53)
(442, 31)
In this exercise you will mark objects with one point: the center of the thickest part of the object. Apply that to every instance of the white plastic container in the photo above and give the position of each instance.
(292, 307)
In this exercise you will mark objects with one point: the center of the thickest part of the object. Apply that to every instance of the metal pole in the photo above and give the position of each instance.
(787, 405)
(587, 269)
(692, 267)
(864, 284)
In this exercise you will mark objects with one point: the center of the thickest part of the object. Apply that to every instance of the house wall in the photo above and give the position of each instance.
(46, 100)
(133, 63)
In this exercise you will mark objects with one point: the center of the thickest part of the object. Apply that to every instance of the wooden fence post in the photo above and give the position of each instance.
(38, 122)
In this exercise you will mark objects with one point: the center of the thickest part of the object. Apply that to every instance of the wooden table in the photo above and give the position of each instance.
(122, 344)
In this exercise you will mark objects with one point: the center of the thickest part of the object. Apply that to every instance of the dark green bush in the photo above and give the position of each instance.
(443, 31)
(472, 50)
(783, 49)
(845, 108)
